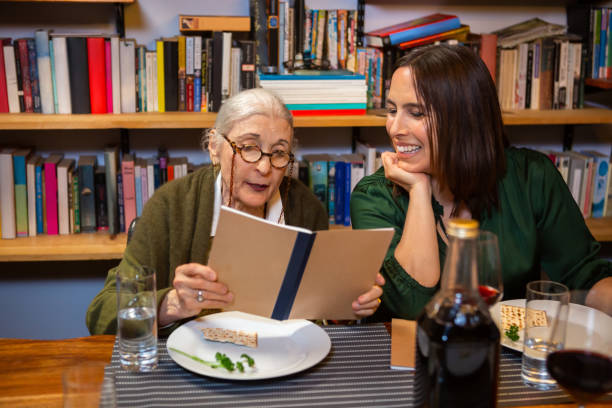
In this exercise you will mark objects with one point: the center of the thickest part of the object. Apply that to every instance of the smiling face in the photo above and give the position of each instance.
(254, 183)
(407, 124)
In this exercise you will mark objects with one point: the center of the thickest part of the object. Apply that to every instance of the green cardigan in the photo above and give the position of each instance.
(539, 227)
(175, 229)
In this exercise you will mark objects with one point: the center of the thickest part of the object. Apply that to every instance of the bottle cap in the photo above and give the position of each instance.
(462, 228)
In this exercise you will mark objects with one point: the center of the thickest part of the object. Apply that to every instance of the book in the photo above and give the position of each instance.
(101, 199)
(111, 162)
(129, 191)
(170, 70)
(189, 23)
(39, 175)
(412, 29)
(527, 31)
(22, 57)
(62, 76)
(293, 272)
(64, 169)
(108, 72)
(7, 194)
(4, 102)
(20, 158)
(10, 70)
(127, 69)
(31, 164)
(33, 67)
(43, 61)
(50, 192)
(87, 198)
(599, 187)
(79, 74)
(459, 34)
(116, 73)
(161, 96)
(96, 57)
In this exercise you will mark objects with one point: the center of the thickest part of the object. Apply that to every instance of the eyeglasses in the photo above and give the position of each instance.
(252, 154)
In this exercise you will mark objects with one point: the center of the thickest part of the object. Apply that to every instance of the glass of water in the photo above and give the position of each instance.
(137, 318)
(545, 301)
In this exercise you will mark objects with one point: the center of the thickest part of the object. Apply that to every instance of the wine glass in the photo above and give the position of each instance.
(490, 283)
(583, 368)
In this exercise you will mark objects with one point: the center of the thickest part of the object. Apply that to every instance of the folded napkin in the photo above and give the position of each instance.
(403, 344)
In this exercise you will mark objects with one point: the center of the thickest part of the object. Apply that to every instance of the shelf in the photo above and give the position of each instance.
(100, 246)
(191, 120)
(75, 247)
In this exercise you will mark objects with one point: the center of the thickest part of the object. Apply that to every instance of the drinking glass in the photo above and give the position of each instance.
(584, 367)
(137, 318)
(545, 301)
(490, 282)
(90, 384)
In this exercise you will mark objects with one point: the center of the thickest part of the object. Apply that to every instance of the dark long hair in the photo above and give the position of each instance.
(462, 112)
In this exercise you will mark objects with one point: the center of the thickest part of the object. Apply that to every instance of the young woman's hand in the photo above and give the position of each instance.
(366, 304)
(397, 172)
(195, 287)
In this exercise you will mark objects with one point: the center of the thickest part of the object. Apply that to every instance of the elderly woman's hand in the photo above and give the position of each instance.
(195, 287)
(366, 304)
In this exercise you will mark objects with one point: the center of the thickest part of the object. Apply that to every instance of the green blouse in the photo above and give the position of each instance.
(539, 227)
(175, 229)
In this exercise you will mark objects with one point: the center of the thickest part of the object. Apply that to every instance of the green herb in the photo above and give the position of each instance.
(222, 360)
(512, 332)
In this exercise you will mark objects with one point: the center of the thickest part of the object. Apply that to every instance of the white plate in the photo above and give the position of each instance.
(575, 327)
(284, 347)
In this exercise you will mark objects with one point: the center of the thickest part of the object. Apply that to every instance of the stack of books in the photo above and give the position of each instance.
(313, 92)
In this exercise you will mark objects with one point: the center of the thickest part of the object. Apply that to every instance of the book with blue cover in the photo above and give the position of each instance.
(412, 29)
(295, 273)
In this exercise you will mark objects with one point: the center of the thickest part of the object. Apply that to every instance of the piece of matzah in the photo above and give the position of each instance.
(242, 338)
(515, 315)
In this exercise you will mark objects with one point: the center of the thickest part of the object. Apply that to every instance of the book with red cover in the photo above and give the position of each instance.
(26, 84)
(459, 34)
(51, 163)
(129, 188)
(96, 61)
(328, 112)
(412, 29)
(488, 52)
(4, 105)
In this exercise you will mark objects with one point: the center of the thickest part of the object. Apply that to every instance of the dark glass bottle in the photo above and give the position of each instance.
(457, 361)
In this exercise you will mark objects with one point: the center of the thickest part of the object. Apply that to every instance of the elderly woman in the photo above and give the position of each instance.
(250, 148)
(450, 159)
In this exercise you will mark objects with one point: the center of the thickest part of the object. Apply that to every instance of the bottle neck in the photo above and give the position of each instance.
(460, 274)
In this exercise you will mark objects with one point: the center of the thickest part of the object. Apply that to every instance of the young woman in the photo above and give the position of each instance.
(250, 148)
(451, 159)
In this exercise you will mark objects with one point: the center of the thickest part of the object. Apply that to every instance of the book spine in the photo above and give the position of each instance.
(40, 224)
(328, 112)
(331, 191)
(116, 73)
(110, 170)
(4, 101)
(76, 203)
(142, 80)
(138, 189)
(127, 58)
(12, 89)
(171, 75)
(347, 194)
(101, 200)
(21, 195)
(7, 196)
(79, 74)
(62, 77)
(339, 194)
(51, 198)
(108, 63)
(161, 96)
(87, 198)
(26, 84)
(129, 193)
(197, 74)
(19, 77)
(182, 85)
(33, 66)
(31, 197)
(144, 183)
(226, 65)
(53, 78)
(96, 62)
(45, 80)
(63, 215)
(150, 178)
(120, 207)
(149, 61)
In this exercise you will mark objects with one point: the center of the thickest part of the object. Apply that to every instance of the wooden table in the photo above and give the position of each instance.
(31, 370)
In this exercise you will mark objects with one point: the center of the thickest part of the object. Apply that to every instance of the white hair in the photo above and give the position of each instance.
(256, 101)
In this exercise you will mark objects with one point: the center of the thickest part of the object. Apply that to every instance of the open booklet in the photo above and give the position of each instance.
(286, 272)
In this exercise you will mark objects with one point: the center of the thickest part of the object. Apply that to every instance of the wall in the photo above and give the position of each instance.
(49, 299)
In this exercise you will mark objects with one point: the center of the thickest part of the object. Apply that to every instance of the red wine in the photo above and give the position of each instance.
(585, 375)
(457, 359)
(488, 294)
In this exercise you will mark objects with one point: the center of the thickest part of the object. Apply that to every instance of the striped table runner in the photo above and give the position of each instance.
(355, 373)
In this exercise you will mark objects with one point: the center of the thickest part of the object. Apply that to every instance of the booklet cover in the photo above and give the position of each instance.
(286, 272)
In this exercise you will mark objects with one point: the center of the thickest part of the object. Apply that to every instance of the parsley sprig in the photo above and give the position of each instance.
(222, 360)
(512, 332)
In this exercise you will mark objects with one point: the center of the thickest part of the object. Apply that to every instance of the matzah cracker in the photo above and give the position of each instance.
(515, 315)
(242, 338)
